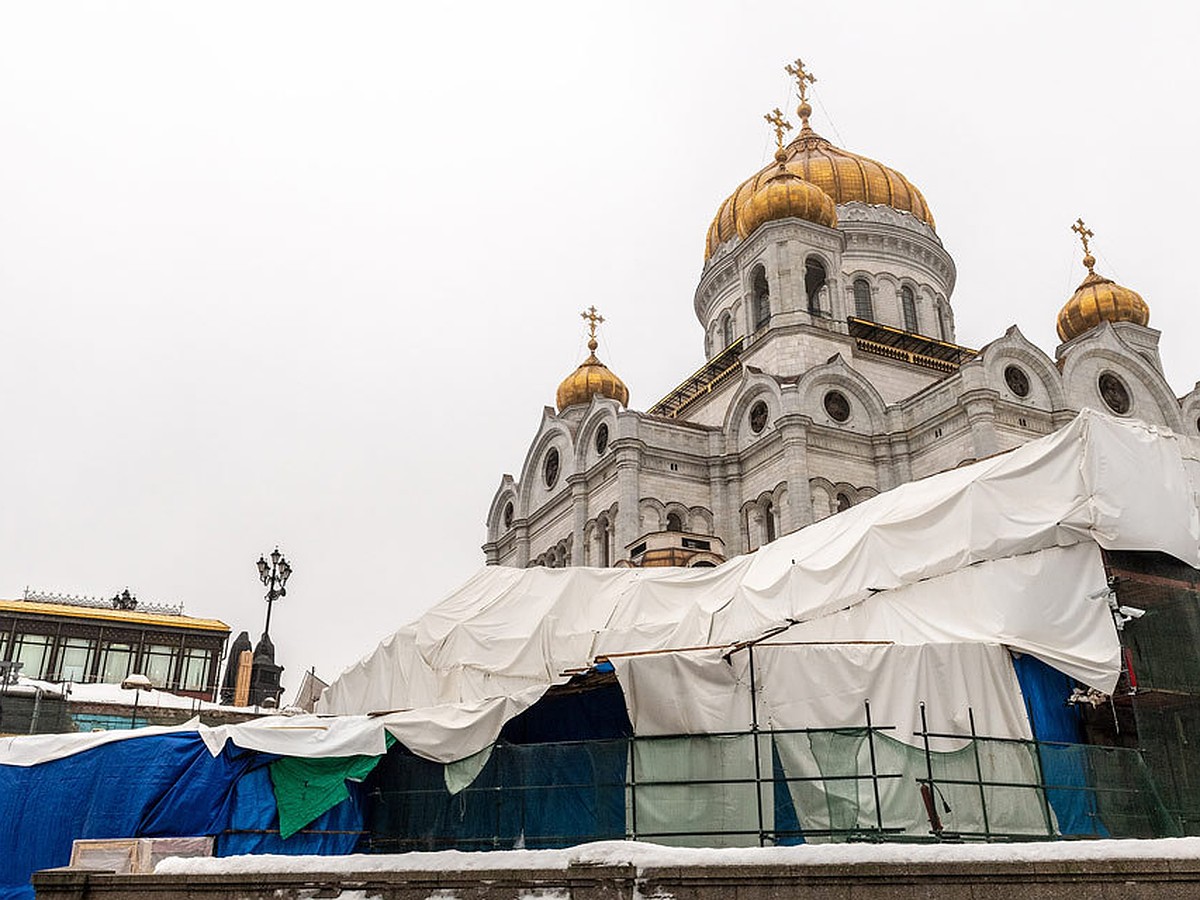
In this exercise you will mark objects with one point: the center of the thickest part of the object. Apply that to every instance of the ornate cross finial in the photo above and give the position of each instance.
(803, 79)
(1084, 233)
(780, 124)
(593, 319)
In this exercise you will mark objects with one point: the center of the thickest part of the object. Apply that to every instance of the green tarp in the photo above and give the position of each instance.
(307, 788)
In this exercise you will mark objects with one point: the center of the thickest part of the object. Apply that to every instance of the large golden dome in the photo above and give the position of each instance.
(1098, 299)
(592, 377)
(843, 175)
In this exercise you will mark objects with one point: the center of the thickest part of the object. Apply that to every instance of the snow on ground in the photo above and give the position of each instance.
(646, 856)
(115, 695)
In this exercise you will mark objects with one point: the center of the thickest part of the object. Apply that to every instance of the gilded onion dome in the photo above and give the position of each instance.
(1098, 299)
(592, 377)
(846, 177)
(785, 194)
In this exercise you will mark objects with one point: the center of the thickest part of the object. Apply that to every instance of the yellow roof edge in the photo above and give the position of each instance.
(129, 617)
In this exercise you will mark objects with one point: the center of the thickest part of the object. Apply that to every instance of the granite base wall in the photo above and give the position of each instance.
(1150, 879)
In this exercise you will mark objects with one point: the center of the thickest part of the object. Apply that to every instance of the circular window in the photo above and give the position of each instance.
(508, 515)
(550, 468)
(1017, 380)
(1114, 393)
(758, 417)
(837, 406)
(602, 439)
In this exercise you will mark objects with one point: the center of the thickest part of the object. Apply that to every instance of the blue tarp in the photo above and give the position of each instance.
(1052, 719)
(155, 786)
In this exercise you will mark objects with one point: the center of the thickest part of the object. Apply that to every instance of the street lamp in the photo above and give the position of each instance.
(274, 576)
(136, 683)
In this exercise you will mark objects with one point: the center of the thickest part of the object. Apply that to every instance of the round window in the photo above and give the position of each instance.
(1017, 380)
(508, 515)
(758, 417)
(837, 406)
(550, 467)
(1114, 393)
(601, 439)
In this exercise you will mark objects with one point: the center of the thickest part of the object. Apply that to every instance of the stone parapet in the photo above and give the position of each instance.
(1051, 879)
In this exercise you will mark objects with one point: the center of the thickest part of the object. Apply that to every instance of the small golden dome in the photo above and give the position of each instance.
(1098, 299)
(592, 377)
(786, 195)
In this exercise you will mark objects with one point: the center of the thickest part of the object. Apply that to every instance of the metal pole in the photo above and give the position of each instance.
(987, 830)
(633, 786)
(928, 768)
(757, 756)
(874, 770)
(137, 693)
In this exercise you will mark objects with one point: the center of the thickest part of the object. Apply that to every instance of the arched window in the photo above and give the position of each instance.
(814, 280)
(862, 299)
(908, 304)
(768, 522)
(762, 298)
(941, 317)
(674, 523)
(727, 329)
(602, 539)
(843, 502)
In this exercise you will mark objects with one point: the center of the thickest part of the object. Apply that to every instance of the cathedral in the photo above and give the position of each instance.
(832, 373)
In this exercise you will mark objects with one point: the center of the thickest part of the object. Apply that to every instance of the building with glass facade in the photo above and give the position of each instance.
(71, 639)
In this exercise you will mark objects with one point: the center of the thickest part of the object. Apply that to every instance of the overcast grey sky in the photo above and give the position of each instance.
(306, 273)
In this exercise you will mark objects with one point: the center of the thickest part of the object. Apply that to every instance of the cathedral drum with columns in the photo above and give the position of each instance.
(832, 374)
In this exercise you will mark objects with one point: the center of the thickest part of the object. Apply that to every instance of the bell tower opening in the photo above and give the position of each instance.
(814, 280)
(762, 298)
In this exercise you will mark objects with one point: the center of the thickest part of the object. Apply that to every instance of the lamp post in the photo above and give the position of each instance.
(136, 683)
(274, 576)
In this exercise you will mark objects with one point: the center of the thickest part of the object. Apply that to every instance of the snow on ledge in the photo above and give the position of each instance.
(648, 856)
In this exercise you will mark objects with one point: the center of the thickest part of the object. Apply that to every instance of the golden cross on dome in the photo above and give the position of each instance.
(780, 125)
(803, 78)
(1084, 233)
(593, 319)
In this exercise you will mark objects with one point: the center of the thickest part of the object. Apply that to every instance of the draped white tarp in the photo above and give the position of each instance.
(982, 553)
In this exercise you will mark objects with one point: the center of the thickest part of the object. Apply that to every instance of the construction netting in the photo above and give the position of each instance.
(740, 790)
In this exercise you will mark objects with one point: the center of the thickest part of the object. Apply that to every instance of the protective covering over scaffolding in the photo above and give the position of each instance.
(1003, 553)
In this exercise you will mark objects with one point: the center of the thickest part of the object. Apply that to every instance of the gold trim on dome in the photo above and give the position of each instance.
(592, 376)
(1098, 299)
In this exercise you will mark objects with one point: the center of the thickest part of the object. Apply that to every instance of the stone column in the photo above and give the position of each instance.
(901, 460)
(491, 554)
(522, 529)
(579, 508)
(980, 407)
(793, 429)
(628, 493)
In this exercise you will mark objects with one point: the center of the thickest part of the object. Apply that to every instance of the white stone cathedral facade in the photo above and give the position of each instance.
(832, 374)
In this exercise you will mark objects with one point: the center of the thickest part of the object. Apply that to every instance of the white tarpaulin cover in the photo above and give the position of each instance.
(1003, 551)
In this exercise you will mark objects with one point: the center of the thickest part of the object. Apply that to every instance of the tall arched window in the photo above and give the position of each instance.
(862, 299)
(762, 298)
(602, 539)
(941, 317)
(908, 304)
(727, 329)
(674, 523)
(768, 522)
(814, 280)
